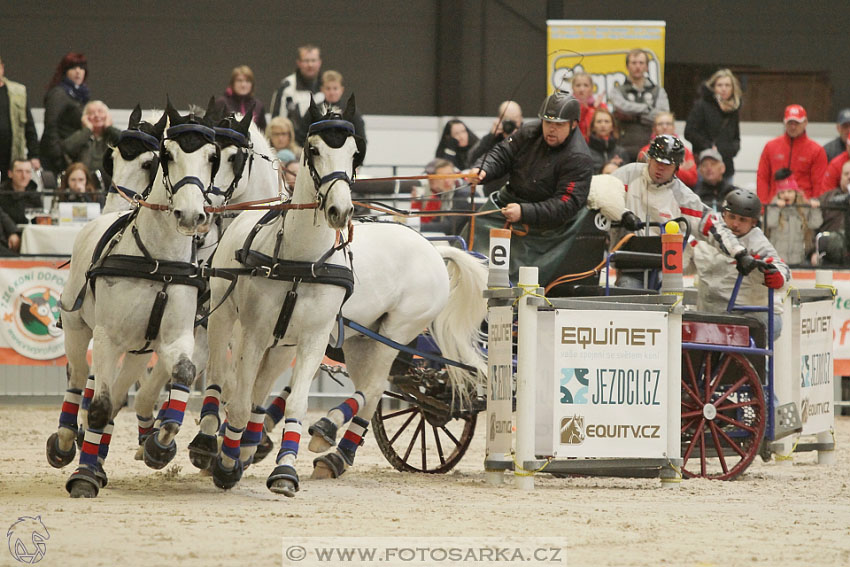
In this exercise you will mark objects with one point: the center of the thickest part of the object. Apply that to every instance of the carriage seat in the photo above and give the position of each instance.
(722, 329)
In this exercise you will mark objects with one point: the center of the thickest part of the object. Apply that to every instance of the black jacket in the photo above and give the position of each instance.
(551, 184)
(448, 148)
(708, 125)
(15, 203)
(712, 195)
(7, 229)
(62, 117)
(603, 151)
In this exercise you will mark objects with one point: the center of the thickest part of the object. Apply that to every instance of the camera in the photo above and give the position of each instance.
(508, 127)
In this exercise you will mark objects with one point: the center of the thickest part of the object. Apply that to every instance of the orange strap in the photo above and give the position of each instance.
(567, 278)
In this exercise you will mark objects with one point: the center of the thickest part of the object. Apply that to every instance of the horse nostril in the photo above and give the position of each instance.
(177, 214)
(332, 212)
(201, 218)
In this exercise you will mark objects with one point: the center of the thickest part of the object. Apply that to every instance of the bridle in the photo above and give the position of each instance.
(333, 176)
(152, 145)
(244, 152)
(172, 134)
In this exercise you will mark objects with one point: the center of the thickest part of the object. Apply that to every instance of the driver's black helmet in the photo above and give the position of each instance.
(742, 202)
(666, 148)
(559, 107)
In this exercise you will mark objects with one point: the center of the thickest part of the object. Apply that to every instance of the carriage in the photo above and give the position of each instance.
(729, 405)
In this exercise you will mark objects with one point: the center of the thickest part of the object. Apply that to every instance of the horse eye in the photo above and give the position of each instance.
(166, 157)
(147, 164)
(314, 150)
(232, 158)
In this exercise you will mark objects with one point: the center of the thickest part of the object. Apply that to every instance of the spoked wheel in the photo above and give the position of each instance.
(723, 414)
(414, 439)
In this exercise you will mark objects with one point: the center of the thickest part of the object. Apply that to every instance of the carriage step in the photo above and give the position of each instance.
(787, 421)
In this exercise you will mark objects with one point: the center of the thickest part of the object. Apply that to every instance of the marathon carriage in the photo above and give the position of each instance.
(729, 396)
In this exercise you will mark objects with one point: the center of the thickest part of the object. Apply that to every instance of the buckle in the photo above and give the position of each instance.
(267, 273)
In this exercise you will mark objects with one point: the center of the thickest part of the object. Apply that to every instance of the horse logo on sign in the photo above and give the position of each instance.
(27, 539)
(572, 430)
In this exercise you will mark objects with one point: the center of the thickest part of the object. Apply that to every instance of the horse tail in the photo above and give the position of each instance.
(456, 329)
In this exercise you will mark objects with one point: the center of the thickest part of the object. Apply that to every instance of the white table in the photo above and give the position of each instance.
(49, 239)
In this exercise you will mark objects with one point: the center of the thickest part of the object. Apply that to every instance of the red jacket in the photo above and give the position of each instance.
(586, 117)
(803, 155)
(687, 176)
(832, 177)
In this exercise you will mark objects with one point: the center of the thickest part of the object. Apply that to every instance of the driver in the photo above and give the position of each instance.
(741, 210)
(655, 194)
(549, 166)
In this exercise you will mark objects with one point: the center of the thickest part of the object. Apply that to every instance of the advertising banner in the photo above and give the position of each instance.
(29, 312)
(599, 48)
(816, 388)
(609, 384)
(500, 380)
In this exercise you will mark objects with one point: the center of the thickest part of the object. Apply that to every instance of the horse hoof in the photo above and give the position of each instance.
(265, 447)
(283, 480)
(224, 478)
(156, 456)
(81, 435)
(323, 435)
(328, 466)
(140, 453)
(56, 456)
(83, 483)
(202, 449)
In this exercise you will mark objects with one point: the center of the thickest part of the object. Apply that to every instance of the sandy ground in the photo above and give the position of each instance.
(777, 515)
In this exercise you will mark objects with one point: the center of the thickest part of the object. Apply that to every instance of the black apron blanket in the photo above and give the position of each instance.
(577, 246)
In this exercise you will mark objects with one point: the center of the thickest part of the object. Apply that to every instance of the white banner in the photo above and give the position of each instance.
(500, 380)
(29, 311)
(609, 384)
(816, 388)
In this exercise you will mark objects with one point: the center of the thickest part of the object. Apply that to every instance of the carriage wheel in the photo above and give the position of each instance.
(723, 414)
(415, 440)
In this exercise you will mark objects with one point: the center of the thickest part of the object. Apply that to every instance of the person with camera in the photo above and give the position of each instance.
(792, 152)
(508, 120)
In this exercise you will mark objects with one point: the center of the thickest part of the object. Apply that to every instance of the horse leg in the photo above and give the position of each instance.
(275, 359)
(323, 432)
(273, 414)
(227, 467)
(368, 363)
(146, 396)
(85, 482)
(61, 448)
(284, 478)
(175, 353)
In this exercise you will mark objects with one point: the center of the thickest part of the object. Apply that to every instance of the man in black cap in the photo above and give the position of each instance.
(548, 163)
(834, 147)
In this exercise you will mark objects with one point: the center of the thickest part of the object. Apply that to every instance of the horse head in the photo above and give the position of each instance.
(189, 160)
(331, 154)
(234, 138)
(133, 162)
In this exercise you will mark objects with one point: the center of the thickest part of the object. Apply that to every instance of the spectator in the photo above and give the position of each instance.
(791, 222)
(239, 95)
(89, 143)
(292, 97)
(549, 165)
(441, 195)
(19, 192)
(714, 122)
(665, 123)
(290, 173)
(509, 119)
(832, 176)
(636, 102)
(18, 138)
(10, 236)
(455, 144)
(333, 88)
(793, 153)
(606, 153)
(834, 147)
(281, 136)
(835, 204)
(582, 85)
(78, 186)
(713, 185)
(717, 275)
(63, 108)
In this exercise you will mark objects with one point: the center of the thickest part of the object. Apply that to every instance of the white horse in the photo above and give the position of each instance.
(144, 278)
(247, 173)
(282, 320)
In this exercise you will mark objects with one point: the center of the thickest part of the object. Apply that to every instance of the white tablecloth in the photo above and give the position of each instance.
(49, 239)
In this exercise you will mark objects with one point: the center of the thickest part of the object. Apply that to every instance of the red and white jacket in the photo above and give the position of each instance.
(803, 155)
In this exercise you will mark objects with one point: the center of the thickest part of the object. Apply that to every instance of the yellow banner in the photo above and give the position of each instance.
(599, 48)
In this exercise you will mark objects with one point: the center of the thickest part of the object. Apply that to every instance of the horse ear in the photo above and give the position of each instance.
(135, 117)
(245, 123)
(314, 111)
(350, 108)
(213, 113)
(173, 116)
(159, 127)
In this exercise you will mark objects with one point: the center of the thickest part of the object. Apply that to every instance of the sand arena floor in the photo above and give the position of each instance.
(778, 515)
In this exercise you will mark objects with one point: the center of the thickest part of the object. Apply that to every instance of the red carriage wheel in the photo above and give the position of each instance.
(723, 414)
(417, 439)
